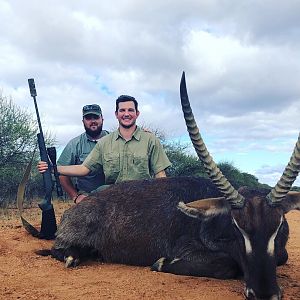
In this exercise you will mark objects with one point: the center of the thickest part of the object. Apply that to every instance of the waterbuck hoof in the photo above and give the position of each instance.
(71, 262)
(157, 266)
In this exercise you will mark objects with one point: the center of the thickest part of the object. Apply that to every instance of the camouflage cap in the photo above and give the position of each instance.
(91, 109)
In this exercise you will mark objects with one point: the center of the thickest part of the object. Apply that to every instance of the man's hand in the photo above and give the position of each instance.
(160, 174)
(79, 198)
(42, 166)
(147, 130)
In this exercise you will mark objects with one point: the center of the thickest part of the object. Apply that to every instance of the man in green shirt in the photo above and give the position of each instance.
(126, 154)
(78, 149)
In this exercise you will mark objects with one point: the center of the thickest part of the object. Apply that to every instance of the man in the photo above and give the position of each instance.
(78, 149)
(126, 154)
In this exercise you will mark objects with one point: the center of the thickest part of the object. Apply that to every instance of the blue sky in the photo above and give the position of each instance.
(241, 58)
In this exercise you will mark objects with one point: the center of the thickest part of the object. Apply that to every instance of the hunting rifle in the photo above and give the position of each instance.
(48, 226)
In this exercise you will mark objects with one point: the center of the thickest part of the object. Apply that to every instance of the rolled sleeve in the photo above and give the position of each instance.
(94, 160)
(159, 160)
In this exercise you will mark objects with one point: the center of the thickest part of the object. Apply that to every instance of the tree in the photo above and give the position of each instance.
(18, 131)
(236, 177)
(183, 164)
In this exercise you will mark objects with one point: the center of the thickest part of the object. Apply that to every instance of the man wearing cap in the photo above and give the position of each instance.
(78, 149)
(128, 153)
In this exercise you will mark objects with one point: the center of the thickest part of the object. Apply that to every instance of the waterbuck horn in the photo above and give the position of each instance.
(230, 193)
(288, 177)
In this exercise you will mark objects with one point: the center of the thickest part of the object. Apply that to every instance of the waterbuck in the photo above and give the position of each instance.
(168, 224)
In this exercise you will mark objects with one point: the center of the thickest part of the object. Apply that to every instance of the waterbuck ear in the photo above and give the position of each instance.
(291, 201)
(205, 207)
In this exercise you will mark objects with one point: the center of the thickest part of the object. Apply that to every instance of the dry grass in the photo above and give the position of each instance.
(32, 213)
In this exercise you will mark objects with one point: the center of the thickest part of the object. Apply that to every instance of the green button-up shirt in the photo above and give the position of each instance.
(75, 153)
(141, 157)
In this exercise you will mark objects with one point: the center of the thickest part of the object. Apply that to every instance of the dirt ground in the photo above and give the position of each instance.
(24, 275)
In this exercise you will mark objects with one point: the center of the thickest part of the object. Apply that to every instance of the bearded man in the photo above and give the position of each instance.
(78, 149)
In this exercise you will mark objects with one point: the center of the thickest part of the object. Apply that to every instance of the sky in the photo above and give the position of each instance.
(241, 59)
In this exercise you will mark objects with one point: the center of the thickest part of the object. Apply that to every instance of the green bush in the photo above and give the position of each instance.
(184, 164)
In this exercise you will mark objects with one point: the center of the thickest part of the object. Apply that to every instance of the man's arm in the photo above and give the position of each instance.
(73, 170)
(68, 186)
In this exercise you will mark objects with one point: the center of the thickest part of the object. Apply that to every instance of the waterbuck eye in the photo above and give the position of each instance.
(226, 239)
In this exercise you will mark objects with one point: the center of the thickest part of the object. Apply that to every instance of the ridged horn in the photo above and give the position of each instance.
(288, 177)
(230, 193)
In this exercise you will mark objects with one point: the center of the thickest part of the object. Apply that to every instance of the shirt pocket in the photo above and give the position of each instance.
(111, 167)
(141, 165)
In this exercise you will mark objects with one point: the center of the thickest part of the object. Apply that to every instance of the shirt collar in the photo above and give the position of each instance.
(136, 134)
(89, 138)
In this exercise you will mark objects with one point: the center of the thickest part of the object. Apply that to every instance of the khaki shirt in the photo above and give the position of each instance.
(139, 158)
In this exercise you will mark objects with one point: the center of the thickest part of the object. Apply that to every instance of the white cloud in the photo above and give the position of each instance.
(242, 64)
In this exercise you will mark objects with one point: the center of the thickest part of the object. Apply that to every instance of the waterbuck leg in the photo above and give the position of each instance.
(221, 266)
(73, 256)
(59, 254)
